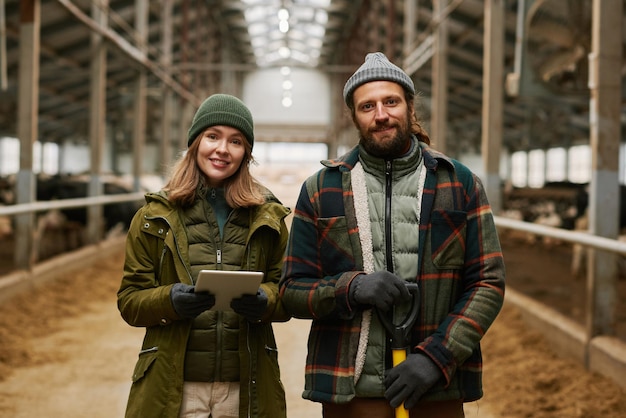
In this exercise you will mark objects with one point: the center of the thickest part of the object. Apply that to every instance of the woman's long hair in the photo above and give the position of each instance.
(187, 181)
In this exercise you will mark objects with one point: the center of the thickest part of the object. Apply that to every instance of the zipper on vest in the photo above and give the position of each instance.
(388, 181)
(219, 256)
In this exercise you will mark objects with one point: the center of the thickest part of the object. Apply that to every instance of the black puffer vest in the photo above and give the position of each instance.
(213, 347)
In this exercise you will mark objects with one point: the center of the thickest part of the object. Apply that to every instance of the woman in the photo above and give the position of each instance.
(211, 214)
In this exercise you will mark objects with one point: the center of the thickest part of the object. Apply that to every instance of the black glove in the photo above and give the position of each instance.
(409, 380)
(189, 304)
(251, 306)
(381, 289)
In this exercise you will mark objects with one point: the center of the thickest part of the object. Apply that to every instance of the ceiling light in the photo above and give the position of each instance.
(283, 14)
(284, 52)
(321, 17)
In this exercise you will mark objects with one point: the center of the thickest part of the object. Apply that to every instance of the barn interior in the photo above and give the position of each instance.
(503, 85)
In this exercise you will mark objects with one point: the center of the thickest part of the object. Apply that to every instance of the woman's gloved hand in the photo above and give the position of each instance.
(251, 307)
(187, 303)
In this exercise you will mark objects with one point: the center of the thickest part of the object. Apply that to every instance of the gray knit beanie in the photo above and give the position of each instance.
(222, 109)
(375, 68)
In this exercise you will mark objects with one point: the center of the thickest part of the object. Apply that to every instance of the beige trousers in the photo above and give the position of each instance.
(215, 400)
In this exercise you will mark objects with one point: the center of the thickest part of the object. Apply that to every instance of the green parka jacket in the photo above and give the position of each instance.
(156, 258)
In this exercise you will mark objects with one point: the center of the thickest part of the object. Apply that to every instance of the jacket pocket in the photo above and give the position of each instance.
(270, 388)
(333, 239)
(145, 361)
(448, 236)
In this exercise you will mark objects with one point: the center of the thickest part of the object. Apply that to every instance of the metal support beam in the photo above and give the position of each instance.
(410, 26)
(390, 38)
(141, 88)
(27, 117)
(493, 103)
(439, 115)
(605, 62)
(165, 146)
(97, 116)
(228, 82)
(4, 84)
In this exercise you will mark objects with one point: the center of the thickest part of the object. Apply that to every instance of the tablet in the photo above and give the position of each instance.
(228, 285)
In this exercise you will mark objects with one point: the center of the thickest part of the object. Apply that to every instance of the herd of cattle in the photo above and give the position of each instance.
(561, 205)
(63, 230)
(564, 203)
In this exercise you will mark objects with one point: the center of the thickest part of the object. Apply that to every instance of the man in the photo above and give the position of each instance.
(392, 211)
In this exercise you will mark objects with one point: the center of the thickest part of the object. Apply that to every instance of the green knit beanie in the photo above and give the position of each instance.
(222, 109)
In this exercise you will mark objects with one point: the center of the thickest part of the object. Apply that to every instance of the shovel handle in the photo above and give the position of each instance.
(398, 355)
(399, 334)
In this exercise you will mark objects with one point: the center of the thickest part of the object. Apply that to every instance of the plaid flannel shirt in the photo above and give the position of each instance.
(460, 266)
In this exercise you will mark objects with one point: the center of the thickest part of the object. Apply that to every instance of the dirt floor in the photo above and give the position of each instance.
(64, 351)
(543, 271)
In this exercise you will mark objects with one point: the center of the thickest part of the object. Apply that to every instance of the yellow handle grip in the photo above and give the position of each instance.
(398, 356)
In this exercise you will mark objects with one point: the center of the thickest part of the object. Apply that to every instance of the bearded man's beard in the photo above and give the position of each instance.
(389, 148)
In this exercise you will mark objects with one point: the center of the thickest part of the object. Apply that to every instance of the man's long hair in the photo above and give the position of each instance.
(187, 182)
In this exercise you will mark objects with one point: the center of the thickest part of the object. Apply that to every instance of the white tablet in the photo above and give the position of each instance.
(228, 285)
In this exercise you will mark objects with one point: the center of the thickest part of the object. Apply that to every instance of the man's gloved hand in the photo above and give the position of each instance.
(380, 289)
(251, 306)
(187, 303)
(408, 381)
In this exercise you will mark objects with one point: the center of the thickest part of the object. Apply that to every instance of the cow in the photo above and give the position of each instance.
(6, 198)
(564, 205)
(60, 230)
(69, 187)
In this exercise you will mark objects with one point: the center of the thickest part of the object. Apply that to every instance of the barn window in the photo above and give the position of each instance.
(9, 156)
(519, 169)
(536, 168)
(46, 158)
(556, 164)
(579, 164)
